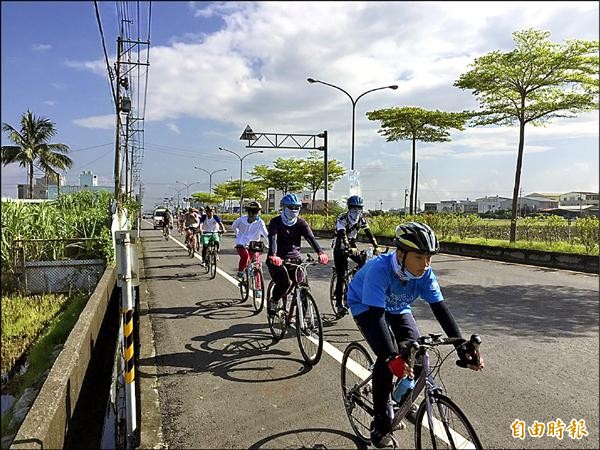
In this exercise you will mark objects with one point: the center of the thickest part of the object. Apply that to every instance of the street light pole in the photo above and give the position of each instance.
(187, 187)
(354, 102)
(241, 158)
(210, 174)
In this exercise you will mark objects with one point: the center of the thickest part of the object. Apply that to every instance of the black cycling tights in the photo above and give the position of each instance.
(375, 327)
(341, 265)
(281, 275)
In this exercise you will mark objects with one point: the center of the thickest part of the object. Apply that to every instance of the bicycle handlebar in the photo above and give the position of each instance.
(310, 261)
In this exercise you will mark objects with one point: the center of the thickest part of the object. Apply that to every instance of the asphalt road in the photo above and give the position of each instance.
(222, 383)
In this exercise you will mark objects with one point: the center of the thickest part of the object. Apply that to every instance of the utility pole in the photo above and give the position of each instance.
(117, 173)
(405, 198)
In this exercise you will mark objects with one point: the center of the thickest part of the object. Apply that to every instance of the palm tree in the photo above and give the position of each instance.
(32, 146)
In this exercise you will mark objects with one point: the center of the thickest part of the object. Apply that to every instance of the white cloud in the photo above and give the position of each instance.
(101, 122)
(40, 47)
(254, 69)
(49, 102)
(174, 128)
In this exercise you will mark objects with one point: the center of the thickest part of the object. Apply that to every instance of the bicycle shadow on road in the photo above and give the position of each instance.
(315, 438)
(241, 353)
(215, 309)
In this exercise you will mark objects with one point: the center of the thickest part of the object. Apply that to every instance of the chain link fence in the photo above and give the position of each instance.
(56, 265)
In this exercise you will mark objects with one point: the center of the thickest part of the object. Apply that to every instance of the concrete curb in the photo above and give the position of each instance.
(47, 421)
(150, 422)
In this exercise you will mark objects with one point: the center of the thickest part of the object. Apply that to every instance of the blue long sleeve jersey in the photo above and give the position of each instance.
(376, 284)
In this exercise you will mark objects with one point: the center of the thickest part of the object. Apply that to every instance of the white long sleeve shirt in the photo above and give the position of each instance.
(246, 232)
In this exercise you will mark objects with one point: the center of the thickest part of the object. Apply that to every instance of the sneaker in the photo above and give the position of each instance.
(257, 294)
(217, 257)
(380, 432)
(240, 276)
(340, 311)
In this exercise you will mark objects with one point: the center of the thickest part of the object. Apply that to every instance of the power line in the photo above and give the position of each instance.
(110, 75)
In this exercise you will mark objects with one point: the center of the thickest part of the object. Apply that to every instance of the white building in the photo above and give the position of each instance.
(579, 199)
(493, 204)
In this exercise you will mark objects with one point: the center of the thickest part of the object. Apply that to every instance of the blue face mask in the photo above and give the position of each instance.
(289, 216)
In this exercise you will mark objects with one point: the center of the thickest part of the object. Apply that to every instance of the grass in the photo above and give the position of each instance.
(561, 247)
(44, 322)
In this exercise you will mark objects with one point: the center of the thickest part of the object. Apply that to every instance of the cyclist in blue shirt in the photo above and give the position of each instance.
(380, 297)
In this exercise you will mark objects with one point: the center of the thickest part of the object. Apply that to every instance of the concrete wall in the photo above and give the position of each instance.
(47, 421)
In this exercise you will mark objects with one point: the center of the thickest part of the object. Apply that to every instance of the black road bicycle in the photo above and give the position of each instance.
(210, 263)
(439, 422)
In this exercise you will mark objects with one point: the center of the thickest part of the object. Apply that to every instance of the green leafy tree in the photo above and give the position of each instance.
(230, 190)
(314, 173)
(207, 198)
(32, 146)
(537, 81)
(416, 124)
(286, 175)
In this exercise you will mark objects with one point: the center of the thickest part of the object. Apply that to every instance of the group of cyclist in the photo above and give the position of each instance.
(379, 296)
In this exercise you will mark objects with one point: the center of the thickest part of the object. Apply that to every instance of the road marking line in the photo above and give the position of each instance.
(353, 366)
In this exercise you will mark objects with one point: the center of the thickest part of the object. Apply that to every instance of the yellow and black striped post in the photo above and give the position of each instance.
(128, 352)
(326, 208)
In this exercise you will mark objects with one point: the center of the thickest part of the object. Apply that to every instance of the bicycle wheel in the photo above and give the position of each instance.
(244, 285)
(258, 280)
(449, 429)
(358, 402)
(207, 261)
(332, 284)
(277, 323)
(213, 263)
(309, 331)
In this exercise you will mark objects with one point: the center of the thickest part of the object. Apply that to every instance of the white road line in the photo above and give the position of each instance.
(357, 369)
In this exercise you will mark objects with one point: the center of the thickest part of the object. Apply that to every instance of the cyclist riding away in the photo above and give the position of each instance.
(248, 228)
(167, 222)
(380, 297)
(192, 224)
(347, 226)
(181, 220)
(285, 233)
(210, 224)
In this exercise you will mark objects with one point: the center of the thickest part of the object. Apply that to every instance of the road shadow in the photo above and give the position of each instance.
(311, 438)
(215, 309)
(533, 311)
(241, 353)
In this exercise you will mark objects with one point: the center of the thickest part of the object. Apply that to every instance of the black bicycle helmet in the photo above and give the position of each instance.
(416, 237)
(253, 206)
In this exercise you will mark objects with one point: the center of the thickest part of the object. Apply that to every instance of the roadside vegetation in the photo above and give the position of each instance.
(34, 327)
(544, 233)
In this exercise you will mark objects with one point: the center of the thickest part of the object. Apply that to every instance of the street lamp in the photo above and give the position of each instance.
(187, 187)
(210, 174)
(241, 158)
(393, 86)
(178, 195)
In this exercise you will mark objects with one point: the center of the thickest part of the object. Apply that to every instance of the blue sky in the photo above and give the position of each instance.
(216, 67)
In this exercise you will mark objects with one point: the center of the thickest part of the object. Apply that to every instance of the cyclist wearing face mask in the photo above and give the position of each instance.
(347, 226)
(285, 237)
(380, 297)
